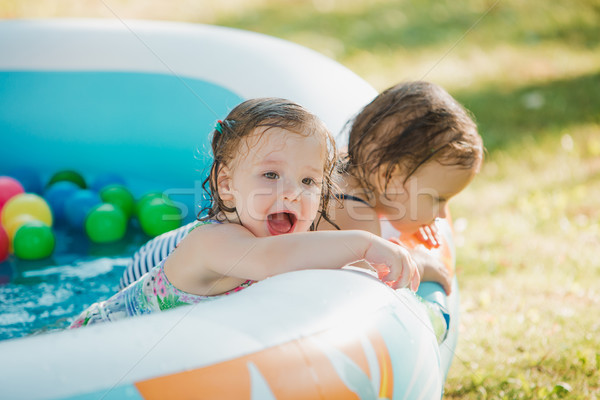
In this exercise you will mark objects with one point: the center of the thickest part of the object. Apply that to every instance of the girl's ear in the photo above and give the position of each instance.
(224, 183)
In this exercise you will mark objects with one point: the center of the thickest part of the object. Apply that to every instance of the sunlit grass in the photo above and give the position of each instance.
(461, 68)
(528, 228)
(529, 271)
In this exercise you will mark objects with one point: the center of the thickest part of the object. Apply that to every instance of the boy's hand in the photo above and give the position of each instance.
(431, 268)
(429, 236)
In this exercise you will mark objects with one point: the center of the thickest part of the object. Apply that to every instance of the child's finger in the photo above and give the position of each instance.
(414, 276)
(435, 232)
(391, 276)
(415, 281)
(431, 236)
(408, 275)
(382, 271)
(424, 235)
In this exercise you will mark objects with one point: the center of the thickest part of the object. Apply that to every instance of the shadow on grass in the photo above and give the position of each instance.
(507, 117)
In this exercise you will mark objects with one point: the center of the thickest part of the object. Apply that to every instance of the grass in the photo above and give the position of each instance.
(529, 226)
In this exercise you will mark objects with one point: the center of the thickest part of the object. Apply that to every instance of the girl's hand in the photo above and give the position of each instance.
(393, 263)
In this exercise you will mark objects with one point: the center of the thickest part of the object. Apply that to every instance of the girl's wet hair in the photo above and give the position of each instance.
(406, 126)
(229, 135)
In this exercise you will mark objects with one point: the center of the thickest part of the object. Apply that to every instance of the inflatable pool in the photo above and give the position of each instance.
(139, 99)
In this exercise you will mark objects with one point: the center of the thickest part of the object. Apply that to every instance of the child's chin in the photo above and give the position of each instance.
(406, 228)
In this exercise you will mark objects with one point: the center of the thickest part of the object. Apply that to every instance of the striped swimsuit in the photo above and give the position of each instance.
(152, 292)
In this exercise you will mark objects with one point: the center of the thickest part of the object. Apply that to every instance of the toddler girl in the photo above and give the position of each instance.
(271, 176)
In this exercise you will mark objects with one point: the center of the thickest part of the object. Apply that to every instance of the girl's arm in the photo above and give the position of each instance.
(231, 250)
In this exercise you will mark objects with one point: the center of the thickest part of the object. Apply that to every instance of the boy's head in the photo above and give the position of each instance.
(407, 126)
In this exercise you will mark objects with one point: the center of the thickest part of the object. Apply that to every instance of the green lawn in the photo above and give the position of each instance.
(529, 226)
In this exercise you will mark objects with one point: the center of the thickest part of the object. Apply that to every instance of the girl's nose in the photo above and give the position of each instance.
(291, 191)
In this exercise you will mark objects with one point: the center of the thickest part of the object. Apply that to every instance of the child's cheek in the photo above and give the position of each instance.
(312, 201)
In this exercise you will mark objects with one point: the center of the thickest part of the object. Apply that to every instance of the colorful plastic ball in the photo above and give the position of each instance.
(145, 199)
(15, 223)
(4, 244)
(9, 188)
(68, 175)
(119, 196)
(106, 223)
(57, 195)
(78, 206)
(105, 179)
(159, 216)
(27, 203)
(34, 241)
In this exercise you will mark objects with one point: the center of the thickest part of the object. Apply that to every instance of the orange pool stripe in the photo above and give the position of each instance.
(296, 370)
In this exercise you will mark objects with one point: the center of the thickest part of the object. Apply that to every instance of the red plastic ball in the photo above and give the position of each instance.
(9, 187)
(4, 244)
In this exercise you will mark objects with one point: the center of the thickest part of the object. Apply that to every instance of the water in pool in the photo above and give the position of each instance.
(46, 295)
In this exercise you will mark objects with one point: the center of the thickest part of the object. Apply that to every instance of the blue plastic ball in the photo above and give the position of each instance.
(78, 206)
(57, 195)
(29, 178)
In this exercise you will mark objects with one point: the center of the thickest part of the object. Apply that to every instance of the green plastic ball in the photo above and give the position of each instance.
(158, 216)
(68, 175)
(145, 199)
(119, 196)
(34, 240)
(105, 223)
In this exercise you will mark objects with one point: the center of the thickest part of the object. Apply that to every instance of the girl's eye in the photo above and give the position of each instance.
(271, 175)
(308, 181)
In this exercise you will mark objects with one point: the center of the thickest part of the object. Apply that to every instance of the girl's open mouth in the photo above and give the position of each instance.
(281, 223)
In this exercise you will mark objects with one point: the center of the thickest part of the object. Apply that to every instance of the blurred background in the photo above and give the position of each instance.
(528, 228)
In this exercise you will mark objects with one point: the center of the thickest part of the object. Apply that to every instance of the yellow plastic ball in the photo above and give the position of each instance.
(14, 224)
(26, 203)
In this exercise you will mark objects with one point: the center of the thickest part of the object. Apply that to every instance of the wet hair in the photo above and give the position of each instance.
(406, 126)
(241, 123)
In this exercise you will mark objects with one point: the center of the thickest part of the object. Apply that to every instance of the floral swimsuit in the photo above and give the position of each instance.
(152, 292)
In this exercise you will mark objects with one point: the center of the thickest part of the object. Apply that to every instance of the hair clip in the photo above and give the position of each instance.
(219, 126)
